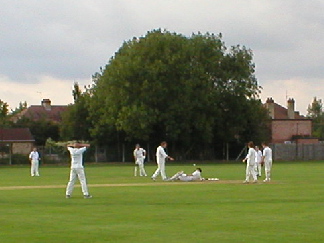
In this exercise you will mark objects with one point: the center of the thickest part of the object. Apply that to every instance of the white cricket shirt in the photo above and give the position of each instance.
(258, 156)
(139, 153)
(267, 153)
(160, 153)
(34, 155)
(251, 156)
(196, 175)
(76, 157)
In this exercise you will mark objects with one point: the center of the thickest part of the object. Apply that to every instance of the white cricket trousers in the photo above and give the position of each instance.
(140, 163)
(258, 168)
(182, 177)
(267, 169)
(250, 172)
(34, 168)
(160, 170)
(74, 174)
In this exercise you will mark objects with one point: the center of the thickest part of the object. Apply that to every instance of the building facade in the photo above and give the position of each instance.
(287, 125)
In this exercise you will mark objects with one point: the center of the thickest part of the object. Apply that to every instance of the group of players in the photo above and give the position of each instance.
(254, 160)
(161, 156)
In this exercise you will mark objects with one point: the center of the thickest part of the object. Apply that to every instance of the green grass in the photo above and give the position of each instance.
(289, 210)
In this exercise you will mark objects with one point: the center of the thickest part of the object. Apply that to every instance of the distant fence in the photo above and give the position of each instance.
(123, 153)
(291, 152)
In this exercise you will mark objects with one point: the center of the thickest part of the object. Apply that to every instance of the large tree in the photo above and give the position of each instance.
(184, 89)
(4, 113)
(75, 121)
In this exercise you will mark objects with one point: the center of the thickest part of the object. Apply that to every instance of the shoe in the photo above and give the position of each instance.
(166, 179)
(266, 180)
(67, 196)
(245, 182)
(255, 182)
(87, 196)
(153, 178)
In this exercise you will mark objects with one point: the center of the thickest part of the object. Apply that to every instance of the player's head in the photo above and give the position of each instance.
(199, 169)
(164, 144)
(257, 148)
(137, 146)
(264, 144)
(250, 144)
(34, 149)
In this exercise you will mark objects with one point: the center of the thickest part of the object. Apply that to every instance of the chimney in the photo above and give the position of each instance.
(270, 107)
(291, 109)
(46, 103)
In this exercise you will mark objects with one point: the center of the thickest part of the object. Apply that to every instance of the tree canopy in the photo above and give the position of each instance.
(184, 89)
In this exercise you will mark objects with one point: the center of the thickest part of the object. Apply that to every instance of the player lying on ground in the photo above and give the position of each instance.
(181, 176)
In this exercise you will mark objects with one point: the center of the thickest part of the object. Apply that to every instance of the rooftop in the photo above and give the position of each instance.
(16, 135)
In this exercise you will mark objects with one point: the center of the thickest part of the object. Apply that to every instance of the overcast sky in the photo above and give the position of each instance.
(47, 45)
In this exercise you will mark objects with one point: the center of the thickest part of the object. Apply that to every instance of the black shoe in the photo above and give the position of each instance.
(87, 196)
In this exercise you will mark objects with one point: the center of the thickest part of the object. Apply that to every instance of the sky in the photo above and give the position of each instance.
(46, 46)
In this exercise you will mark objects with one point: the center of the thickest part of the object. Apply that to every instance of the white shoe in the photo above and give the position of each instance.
(153, 178)
(245, 182)
(266, 180)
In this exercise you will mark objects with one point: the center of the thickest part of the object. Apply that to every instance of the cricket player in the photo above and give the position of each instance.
(139, 156)
(250, 159)
(195, 176)
(34, 162)
(77, 170)
(161, 155)
(258, 161)
(267, 160)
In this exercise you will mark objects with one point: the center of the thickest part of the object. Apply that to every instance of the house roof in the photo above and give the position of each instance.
(16, 135)
(281, 113)
(38, 112)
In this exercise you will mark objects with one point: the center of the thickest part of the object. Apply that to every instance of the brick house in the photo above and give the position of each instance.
(16, 141)
(287, 125)
(45, 111)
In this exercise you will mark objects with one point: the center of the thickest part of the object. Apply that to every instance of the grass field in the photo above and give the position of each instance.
(290, 209)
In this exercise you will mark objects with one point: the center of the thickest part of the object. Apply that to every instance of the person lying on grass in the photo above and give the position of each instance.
(181, 176)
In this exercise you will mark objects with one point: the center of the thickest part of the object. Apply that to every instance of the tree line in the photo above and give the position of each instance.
(192, 91)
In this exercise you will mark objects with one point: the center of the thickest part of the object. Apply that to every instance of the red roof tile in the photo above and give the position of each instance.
(16, 135)
(38, 112)
(282, 113)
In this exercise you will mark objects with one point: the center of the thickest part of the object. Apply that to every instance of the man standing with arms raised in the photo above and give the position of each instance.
(77, 170)
(161, 155)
